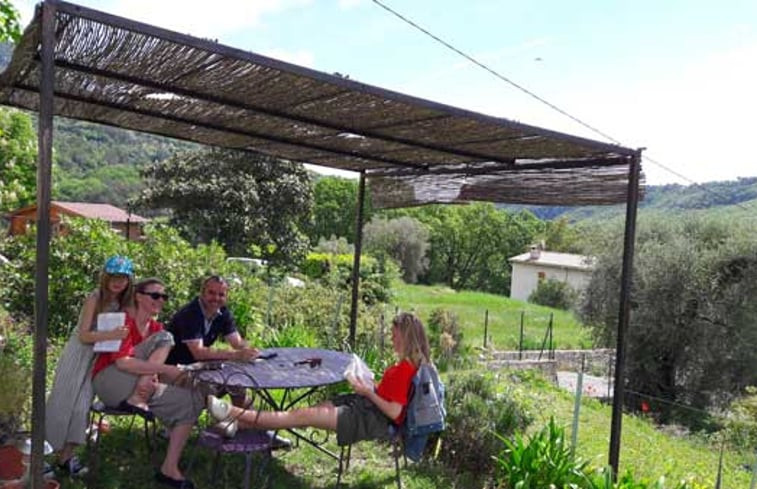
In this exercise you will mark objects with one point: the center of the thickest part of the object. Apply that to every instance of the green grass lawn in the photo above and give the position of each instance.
(645, 450)
(504, 317)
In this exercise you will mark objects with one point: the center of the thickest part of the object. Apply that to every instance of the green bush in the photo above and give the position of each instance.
(336, 270)
(740, 424)
(15, 370)
(553, 293)
(543, 460)
(476, 415)
(446, 340)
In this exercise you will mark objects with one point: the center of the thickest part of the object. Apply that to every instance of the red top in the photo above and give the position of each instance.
(395, 385)
(104, 360)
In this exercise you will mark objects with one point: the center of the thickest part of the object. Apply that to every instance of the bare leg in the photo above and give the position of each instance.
(147, 384)
(66, 452)
(176, 441)
(322, 416)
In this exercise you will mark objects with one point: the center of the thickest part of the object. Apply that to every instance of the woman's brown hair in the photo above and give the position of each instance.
(414, 341)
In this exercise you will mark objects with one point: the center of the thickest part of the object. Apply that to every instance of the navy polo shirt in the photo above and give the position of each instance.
(189, 324)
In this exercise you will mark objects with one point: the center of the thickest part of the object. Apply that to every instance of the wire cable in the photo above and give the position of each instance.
(542, 99)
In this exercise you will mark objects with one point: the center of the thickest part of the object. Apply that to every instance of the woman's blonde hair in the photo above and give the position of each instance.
(124, 299)
(414, 341)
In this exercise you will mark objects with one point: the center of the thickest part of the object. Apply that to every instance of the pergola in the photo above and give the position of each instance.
(85, 64)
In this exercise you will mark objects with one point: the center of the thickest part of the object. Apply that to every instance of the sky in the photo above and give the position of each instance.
(677, 77)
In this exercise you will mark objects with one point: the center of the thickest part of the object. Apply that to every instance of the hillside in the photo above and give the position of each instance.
(725, 198)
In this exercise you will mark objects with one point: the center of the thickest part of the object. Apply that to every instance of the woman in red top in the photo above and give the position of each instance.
(366, 414)
(143, 353)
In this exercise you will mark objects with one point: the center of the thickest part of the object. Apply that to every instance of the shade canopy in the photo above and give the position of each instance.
(123, 73)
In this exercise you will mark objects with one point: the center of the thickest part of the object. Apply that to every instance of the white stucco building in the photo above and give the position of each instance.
(535, 265)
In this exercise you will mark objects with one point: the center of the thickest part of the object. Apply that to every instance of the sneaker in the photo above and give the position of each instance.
(73, 467)
(279, 442)
(227, 428)
(218, 408)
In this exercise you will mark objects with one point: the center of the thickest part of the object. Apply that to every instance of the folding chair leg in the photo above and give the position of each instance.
(247, 469)
(396, 454)
(343, 464)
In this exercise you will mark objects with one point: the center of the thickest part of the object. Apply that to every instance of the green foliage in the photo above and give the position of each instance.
(692, 332)
(18, 149)
(542, 460)
(113, 184)
(10, 29)
(405, 240)
(740, 424)
(554, 293)
(15, 370)
(471, 244)
(476, 414)
(446, 339)
(334, 207)
(242, 200)
(75, 261)
(336, 271)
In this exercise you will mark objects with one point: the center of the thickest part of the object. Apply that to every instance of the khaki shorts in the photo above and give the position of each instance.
(359, 419)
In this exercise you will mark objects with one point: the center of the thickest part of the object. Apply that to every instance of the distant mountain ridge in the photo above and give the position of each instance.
(720, 196)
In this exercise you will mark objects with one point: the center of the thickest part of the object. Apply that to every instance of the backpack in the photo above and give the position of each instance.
(425, 411)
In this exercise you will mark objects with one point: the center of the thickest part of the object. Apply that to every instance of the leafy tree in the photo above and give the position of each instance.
(404, 239)
(553, 293)
(249, 203)
(691, 338)
(10, 29)
(470, 244)
(334, 207)
(18, 159)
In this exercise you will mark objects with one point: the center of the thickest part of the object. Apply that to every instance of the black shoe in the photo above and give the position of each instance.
(132, 409)
(162, 478)
(73, 467)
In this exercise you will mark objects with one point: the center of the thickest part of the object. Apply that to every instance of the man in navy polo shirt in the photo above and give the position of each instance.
(198, 325)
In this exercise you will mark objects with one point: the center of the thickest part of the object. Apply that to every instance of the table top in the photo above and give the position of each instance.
(290, 368)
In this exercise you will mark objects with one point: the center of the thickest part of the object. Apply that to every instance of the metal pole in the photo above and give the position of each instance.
(551, 354)
(486, 326)
(520, 341)
(577, 405)
(44, 182)
(356, 260)
(624, 312)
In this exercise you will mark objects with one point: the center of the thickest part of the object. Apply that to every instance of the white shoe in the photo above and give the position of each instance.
(227, 428)
(218, 408)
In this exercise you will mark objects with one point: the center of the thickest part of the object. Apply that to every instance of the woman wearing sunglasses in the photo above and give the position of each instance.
(142, 355)
(71, 395)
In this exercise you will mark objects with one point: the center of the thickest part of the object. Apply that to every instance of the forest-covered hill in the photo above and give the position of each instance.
(101, 164)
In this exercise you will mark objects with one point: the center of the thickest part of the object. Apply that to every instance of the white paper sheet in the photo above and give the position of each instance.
(108, 321)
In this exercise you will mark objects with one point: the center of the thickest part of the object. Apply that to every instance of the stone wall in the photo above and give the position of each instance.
(597, 361)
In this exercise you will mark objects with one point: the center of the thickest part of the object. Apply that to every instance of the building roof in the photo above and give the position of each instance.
(128, 74)
(88, 210)
(555, 259)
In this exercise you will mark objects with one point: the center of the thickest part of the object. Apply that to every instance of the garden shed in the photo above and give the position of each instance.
(89, 65)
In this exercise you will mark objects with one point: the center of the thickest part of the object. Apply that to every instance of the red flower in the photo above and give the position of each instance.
(644, 406)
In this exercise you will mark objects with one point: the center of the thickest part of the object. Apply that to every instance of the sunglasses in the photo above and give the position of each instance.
(155, 295)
